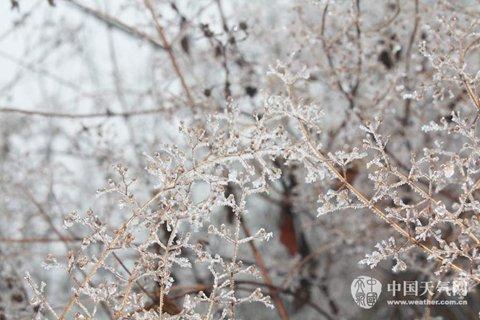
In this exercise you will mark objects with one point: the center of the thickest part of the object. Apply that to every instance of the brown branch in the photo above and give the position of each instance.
(300, 264)
(387, 22)
(471, 94)
(280, 307)
(65, 115)
(408, 58)
(313, 305)
(38, 240)
(171, 54)
(331, 65)
(117, 24)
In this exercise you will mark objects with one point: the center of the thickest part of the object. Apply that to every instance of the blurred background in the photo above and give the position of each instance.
(85, 85)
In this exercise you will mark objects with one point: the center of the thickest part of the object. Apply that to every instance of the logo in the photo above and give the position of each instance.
(365, 291)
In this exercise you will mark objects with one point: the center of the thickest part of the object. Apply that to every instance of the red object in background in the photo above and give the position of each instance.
(287, 234)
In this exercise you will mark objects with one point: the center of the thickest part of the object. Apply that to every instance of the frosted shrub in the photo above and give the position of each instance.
(289, 148)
